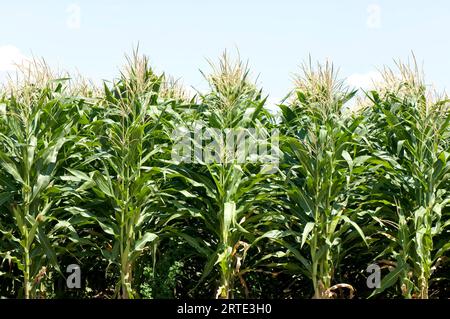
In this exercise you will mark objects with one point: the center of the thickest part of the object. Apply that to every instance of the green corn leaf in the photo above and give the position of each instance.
(308, 228)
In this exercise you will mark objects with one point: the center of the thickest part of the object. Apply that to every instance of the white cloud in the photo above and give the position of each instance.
(10, 57)
(364, 80)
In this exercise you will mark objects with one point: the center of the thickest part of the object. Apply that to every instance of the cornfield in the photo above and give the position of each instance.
(356, 180)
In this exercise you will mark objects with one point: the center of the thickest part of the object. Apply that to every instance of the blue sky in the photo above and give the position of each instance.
(275, 36)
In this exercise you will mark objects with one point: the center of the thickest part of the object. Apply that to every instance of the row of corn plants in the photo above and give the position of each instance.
(88, 176)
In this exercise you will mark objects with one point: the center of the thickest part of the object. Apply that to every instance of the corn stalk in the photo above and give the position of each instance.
(36, 133)
(410, 138)
(225, 193)
(323, 165)
(124, 172)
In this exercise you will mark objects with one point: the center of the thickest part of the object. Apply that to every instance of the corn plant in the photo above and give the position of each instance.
(37, 124)
(410, 138)
(230, 196)
(322, 154)
(124, 174)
